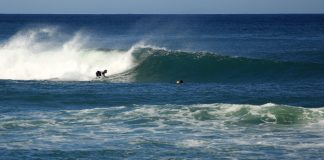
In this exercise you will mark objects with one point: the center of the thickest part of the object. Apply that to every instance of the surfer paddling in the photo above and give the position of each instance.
(179, 81)
(101, 73)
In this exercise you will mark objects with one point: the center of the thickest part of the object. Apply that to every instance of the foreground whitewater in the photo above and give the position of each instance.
(202, 130)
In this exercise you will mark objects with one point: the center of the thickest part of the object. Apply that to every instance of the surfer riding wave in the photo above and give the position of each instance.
(100, 74)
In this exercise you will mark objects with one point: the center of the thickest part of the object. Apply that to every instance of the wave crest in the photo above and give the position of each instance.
(46, 54)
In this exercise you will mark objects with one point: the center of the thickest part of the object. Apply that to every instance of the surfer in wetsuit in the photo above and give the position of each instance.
(98, 74)
(103, 73)
(179, 81)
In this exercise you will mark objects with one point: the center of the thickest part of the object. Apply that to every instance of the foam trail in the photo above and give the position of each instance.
(38, 54)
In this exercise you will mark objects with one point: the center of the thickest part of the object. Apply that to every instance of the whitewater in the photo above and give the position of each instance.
(27, 57)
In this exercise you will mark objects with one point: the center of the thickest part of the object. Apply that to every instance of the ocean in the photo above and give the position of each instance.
(253, 86)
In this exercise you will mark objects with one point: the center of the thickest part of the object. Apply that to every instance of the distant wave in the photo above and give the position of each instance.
(38, 54)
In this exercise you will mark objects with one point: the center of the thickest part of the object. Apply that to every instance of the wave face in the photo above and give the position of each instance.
(42, 54)
(166, 66)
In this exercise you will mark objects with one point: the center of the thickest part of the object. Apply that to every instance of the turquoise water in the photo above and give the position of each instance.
(253, 87)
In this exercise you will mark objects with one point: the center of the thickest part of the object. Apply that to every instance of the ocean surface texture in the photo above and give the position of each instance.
(253, 87)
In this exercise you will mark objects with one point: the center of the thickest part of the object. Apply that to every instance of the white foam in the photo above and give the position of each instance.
(192, 143)
(96, 127)
(39, 54)
(309, 145)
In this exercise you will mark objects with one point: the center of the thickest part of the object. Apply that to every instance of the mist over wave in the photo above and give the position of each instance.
(41, 54)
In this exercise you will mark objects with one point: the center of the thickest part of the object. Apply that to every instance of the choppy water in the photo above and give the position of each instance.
(254, 86)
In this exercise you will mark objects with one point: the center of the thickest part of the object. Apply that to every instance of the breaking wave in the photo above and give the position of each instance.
(42, 54)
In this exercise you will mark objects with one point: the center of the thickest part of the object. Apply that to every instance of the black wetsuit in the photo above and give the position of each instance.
(98, 74)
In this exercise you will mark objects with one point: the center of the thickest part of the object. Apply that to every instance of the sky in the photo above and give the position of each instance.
(161, 6)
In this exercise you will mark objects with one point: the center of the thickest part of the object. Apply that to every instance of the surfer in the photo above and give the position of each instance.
(103, 73)
(98, 74)
(179, 81)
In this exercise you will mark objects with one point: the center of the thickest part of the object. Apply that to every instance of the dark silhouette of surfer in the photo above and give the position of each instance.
(103, 73)
(179, 81)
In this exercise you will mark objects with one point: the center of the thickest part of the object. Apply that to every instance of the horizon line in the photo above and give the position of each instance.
(158, 13)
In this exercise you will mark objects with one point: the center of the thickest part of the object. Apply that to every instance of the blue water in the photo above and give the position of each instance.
(253, 87)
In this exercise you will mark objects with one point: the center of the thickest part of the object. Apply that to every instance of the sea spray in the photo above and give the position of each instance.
(26, 57)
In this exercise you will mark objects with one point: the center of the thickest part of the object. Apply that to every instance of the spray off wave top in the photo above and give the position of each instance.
(40, 55)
